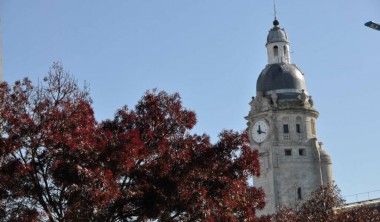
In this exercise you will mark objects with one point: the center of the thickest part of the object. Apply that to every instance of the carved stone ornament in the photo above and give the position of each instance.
(265, 104)
(311, 101)
(274, 99)
(253, 105)
(304, 98)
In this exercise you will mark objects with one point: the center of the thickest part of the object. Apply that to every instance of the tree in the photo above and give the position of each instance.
(58, 164)
(165, 172)
(321, 204)
(48, 151)
(359, 214)
(324, 204)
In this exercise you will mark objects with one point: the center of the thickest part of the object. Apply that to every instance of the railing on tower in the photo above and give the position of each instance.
(359, 197)
(294, 136)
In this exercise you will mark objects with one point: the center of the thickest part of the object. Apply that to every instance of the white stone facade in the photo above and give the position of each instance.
(293, 163)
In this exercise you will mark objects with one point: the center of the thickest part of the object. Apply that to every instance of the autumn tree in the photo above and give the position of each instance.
(320, 204)
(58, 164)
(166, 173)
(361, 213)
(48, 147)
(324, 204)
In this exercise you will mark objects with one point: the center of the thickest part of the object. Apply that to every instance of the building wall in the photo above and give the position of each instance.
(291, 163)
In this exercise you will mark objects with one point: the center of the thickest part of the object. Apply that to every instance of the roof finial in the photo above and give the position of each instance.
(275, 22)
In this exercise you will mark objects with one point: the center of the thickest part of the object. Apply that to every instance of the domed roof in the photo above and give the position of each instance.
(281, 78)
(277, 34)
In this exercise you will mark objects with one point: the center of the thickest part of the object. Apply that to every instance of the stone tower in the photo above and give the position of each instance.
(282, 127)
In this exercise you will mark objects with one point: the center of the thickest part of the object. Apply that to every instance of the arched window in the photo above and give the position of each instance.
(299, 193)
(298, 124)
(285, 125)
(275, 50)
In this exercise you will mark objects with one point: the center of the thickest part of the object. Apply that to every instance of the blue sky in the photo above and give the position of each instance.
(211, 52)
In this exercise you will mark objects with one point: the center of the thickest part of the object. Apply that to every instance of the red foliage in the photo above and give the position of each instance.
(48, 151)
(169, 174)
(59, 164)
(324, 204)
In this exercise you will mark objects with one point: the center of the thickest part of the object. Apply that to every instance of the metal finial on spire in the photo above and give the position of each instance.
(275, 22)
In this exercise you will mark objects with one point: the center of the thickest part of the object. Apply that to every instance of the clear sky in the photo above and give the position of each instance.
(211, 52)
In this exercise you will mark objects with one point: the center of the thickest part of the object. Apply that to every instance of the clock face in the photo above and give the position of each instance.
(260, 131)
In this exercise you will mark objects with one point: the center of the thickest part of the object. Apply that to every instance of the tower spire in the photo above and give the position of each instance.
(274, 10)
(277, 45)
(275, 21)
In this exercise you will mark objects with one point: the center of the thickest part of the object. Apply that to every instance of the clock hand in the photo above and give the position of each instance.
(259, 130)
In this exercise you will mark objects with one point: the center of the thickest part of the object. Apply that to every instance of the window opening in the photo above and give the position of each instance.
(288, 152)
(286, 128)
(299, 193)
(298, 128)
(302, 152)
(275, 50)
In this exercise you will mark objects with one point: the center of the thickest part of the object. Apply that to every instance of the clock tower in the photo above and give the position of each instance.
(282, 127)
